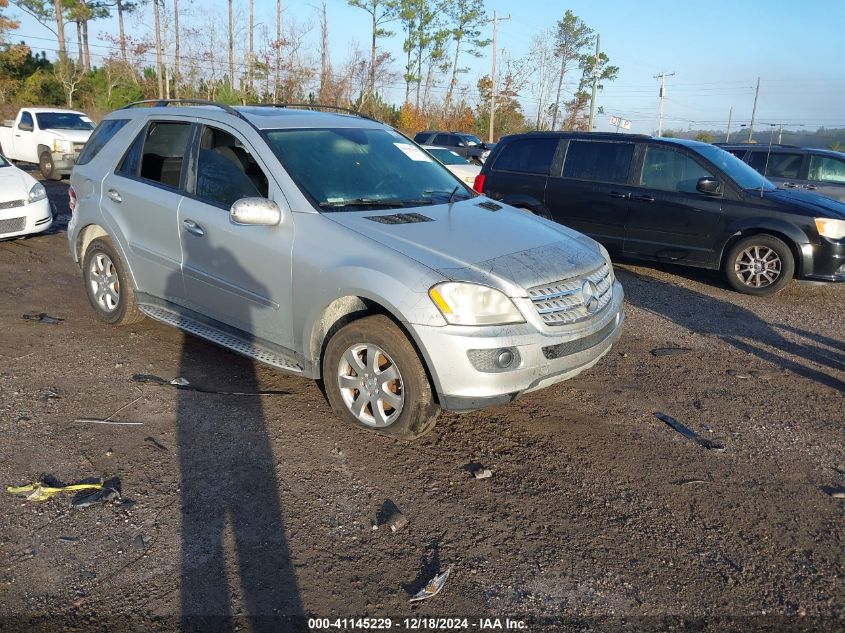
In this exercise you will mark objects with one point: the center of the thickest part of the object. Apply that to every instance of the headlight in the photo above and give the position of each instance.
(62, 146)
(834, 229)
(472, 304)
(38, 192)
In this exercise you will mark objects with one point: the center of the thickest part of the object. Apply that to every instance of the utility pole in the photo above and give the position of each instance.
(231, 47)
(730, 118)
(754, 112)
(595, 86)
(495, 21)
(662, 77)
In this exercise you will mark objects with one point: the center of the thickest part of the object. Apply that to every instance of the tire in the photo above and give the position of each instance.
(353, 383)
(48, 169)
(476, 161)
(759, 265)
(107, 284)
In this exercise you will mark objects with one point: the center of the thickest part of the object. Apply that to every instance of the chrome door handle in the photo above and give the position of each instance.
(114, 195)
(617, 194)
(644, 198)
(192, 227)
(790, 185)
(811, 187)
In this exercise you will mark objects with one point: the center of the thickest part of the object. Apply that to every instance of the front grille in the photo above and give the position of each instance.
(77, 147)
(12, 225)
(579, 344)
(12, 204)
(562, 302)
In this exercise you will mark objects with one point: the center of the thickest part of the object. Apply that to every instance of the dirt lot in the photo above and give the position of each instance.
(598, 515)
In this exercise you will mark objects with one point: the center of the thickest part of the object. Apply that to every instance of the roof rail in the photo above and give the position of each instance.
(314, 106)
(162, 103)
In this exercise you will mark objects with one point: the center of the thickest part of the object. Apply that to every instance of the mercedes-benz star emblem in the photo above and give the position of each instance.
(589, 296)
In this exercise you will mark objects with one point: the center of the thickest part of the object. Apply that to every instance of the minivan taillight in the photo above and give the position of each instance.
(71, 194)
(478, 185)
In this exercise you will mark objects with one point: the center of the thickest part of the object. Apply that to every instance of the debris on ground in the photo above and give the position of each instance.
(139, 543)
(837, 492)
(478, 470)
(41, 317)
(41, 491)
(690, 482)
(391, 516)
(181, 383)
(109, 491)
(155, 443)
(433, 587)
(670, 351)
(689, 433)
(107, 421)
(738, 374)
(49, 394)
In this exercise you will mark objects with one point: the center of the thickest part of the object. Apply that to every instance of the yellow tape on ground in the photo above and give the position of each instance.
(40, 492)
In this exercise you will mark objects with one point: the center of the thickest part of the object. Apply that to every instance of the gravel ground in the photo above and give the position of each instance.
(598, 516)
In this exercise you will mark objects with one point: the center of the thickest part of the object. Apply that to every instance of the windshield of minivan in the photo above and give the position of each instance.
(745, 176)
(350, 169)
(471, 139)
(63, 121)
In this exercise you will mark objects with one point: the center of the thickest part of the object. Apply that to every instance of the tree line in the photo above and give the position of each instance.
(158, 52)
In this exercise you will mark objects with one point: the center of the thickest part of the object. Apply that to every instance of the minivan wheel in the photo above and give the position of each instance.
(107, 285)
(759, 265)
(374, 378)
(48, 169)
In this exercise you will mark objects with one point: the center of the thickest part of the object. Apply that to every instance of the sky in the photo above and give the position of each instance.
(716, 50)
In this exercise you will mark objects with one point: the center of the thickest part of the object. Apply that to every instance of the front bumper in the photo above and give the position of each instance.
(63, 162)
(824, 261)
(29, 218)
(546, 356)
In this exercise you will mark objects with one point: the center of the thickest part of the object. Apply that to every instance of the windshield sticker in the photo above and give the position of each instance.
(413, 152)
(86, 119)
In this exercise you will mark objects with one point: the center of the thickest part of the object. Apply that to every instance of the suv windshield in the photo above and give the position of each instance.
(745, 176)
(350, 169)
(63, 121)
(470, 139)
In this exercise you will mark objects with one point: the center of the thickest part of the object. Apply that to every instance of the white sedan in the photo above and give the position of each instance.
(24, 207)
(455, 163)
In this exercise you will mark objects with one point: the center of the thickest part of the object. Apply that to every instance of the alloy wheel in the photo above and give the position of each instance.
(371, 385)
(758, 266)
(104, 282)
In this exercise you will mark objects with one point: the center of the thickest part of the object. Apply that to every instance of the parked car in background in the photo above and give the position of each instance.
(672, 200)
(48, 137)
(24, 208)
(821, 171)
(467, 145)
(330, 246)
(455, 163)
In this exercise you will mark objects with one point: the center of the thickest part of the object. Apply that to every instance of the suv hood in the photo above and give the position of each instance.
(75, 136)
(804, 202)
(507, 249)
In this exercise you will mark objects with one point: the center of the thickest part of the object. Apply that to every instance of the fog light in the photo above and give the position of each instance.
(504, 359)
(494, 360)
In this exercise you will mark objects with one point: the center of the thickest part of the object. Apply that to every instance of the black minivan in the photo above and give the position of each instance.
(671, 200)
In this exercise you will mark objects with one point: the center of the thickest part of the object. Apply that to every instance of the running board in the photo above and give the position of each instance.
(223, 339)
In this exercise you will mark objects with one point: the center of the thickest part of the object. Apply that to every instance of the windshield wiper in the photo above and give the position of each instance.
(360, 202)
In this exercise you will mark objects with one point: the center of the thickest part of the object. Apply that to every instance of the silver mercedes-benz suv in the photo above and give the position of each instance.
(330, 246)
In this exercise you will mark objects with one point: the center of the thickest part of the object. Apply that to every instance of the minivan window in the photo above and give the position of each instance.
(669, 170)
(348, 169)
(441, 139)
(780, 164)
(827, 169)
(745, 176)
(528, 156)
(164, 150)
(226, 170)
(102, 135)
(601, 162)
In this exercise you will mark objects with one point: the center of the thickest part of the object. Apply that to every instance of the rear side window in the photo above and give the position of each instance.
(827, 169)
(164, 150)
(528, 156)
(226, 170)
(421, 137)
(441, 139)
(102, 135)
(600, 162)
(739, 153)
(26, 119)
(781, 164)
(668, 170)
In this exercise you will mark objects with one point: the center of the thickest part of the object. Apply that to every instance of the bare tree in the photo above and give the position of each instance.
(251, 55)
(277, 63)
(541, 58)
(325, 60)
(177, 74)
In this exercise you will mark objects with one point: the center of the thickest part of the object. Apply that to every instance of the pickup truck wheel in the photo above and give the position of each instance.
(476, 161)
(374, 378)
(107, 285)
(759, 265)
(48, 170)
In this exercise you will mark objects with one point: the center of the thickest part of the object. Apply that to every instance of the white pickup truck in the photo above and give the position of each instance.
(50, 137)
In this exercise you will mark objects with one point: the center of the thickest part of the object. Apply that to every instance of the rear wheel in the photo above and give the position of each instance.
(374, 378)
(759, 265)
(48, 169)
(108, 285)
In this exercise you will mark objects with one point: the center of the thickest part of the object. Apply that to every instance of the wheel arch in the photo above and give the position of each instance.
(788, 234)
(531, 203)
(41, 148)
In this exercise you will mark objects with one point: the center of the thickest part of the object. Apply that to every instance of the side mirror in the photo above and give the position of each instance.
(25, 127)
(255, 212)
(709, 186)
